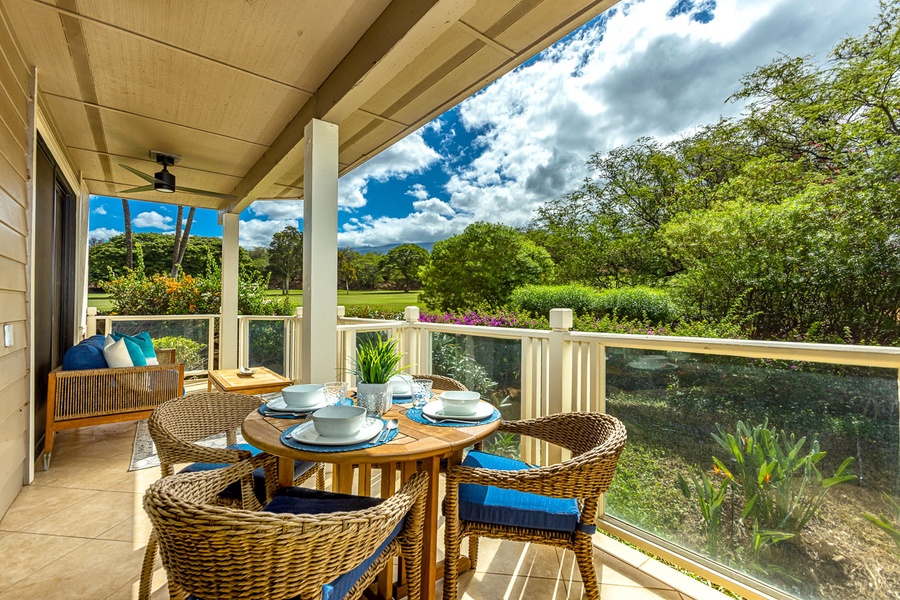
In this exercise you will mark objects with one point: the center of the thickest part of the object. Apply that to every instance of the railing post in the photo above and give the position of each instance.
(297, 345)
(560, 376)
(410, 341)
(90, 322)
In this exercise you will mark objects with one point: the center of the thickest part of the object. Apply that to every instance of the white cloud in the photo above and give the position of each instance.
(102, 234)
(409, 156)
(278, 209)
(100, 210)
(419, 227)
(640, 74)
(254, 233)
(153, 220)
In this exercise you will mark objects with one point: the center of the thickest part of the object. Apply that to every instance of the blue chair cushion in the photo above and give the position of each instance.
(86, 354)
(490, 504)
(233, 491)
(296, 500)
(143, 341)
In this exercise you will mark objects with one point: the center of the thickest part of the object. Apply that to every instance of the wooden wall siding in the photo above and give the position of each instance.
(14, 81)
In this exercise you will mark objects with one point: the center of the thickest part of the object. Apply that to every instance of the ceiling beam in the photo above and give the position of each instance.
(402, 31)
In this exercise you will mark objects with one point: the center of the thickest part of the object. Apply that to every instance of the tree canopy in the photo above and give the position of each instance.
(785, 218)
(285, 257)
(481, 267)
(403, 263)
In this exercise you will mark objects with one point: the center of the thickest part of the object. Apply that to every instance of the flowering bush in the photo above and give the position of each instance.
(137, 293)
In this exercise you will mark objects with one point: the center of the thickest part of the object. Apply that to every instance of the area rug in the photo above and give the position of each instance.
(143, 453)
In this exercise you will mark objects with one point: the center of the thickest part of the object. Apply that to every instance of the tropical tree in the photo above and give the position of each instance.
(181, 238)
(347, 267)
(481, 267)
(369, 273)
(403, 262)
(129, 242)
(286, 256)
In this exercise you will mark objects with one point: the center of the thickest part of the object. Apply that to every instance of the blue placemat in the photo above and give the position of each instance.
(290, 442)
(401, 399)
(297, 414)
(415, 414)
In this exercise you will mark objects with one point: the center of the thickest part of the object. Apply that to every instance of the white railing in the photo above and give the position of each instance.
(560, 371)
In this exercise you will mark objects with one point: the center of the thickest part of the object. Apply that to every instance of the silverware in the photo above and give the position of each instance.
(447, 420)
(388, 427)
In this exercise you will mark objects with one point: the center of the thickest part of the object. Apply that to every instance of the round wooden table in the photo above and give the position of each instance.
(416, 446)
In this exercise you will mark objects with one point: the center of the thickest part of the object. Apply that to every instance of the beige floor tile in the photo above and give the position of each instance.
(686, 585)
(35, 503)
(96, 570)
(486, 586)
(90, 517)
(611, 571)
(137, 481)
(22, 553)
(619, 550)
(136, 530)
(503, 557)
(625, 592)
(102, 474)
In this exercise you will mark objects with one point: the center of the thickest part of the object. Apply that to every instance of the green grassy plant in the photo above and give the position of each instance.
(781, 486)
(639, 302)
(892, 528)
(377, 360)
(710, 501)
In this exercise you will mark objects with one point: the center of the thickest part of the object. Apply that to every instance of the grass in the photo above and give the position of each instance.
(386, 299)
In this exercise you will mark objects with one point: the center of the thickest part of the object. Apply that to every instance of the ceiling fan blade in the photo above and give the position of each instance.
(188, 190)
(144, 176)
(143, 188)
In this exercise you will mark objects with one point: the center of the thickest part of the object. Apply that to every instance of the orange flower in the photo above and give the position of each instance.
(767, 478)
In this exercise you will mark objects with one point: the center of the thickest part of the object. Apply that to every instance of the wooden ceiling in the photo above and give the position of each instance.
(229, 85)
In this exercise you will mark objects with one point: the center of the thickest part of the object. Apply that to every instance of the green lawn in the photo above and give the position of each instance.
(387, 299)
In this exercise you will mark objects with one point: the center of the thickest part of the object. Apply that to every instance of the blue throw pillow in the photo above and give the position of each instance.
(87, 354)
(144, 342)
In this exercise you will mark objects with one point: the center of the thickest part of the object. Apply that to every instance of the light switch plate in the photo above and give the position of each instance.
(8, 339)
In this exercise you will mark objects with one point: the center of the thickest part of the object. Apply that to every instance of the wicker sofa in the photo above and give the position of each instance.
(96, 396)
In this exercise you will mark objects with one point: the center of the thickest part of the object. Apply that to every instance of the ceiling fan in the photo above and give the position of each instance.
(163, 181)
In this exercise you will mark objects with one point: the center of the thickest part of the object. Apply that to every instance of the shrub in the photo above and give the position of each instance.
(187, 351)
(638, 302)
(537, 300)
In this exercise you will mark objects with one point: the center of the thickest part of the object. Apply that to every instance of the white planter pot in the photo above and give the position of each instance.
(376, 398)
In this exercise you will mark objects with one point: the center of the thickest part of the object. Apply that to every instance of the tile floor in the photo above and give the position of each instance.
(79, 532)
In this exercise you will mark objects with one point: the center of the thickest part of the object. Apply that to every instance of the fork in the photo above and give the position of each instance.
(446, 420)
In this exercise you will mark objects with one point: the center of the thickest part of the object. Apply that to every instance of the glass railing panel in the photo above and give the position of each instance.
(189, 338)
(490, 366)
(743, 500)
(266, 345)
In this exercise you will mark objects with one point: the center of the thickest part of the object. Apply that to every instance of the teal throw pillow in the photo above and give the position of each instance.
(144, 342)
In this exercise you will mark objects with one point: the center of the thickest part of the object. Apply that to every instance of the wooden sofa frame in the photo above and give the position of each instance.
(96, 396)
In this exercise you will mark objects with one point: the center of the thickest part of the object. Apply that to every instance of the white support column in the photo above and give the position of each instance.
(560, 377)
(228, 319)
(320, 195)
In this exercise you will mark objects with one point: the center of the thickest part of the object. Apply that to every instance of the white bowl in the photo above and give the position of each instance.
(302, 396)
(339, 421)
(460, 403)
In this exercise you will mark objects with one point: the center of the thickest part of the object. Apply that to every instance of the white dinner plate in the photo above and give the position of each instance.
(306, 433)
(435, 410)
(278, 405)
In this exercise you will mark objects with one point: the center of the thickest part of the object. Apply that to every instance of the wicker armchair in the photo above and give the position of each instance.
(443, 383)
(559, 503)
(97, 396)
(216, 552)
(178, 424)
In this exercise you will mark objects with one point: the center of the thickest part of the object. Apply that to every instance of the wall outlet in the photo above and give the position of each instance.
(8, 339)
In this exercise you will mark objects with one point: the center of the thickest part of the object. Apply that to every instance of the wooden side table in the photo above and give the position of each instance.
(263, 381)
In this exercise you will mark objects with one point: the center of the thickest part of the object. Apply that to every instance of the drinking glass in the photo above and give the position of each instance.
(335, 391)
(421, 392)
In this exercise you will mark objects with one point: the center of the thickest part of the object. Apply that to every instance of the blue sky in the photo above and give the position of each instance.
(657, 68)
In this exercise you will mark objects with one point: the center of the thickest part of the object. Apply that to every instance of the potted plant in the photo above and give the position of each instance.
(375, 363)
